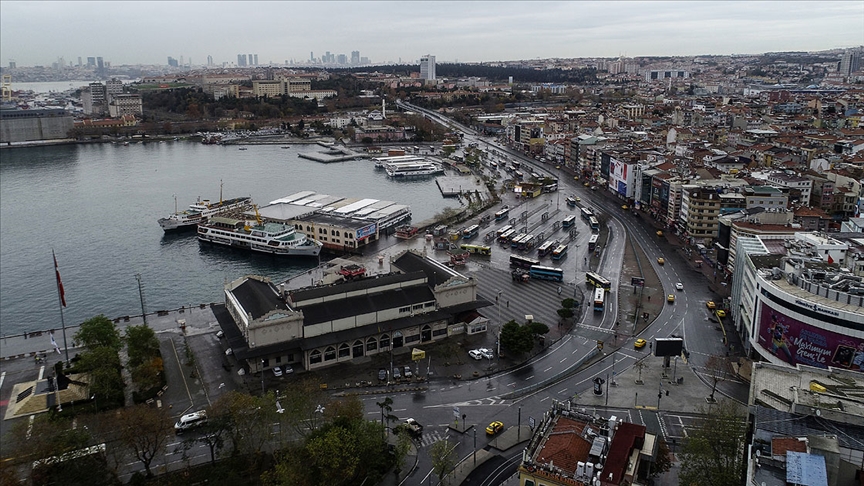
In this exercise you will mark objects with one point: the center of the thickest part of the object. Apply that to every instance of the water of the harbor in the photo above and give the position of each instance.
(96, 206)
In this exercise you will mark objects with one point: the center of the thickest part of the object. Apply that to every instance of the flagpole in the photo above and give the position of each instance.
(62, 304)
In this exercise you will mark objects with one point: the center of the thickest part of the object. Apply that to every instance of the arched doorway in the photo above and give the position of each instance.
(398, 340)
(425, 333)
(357, 349)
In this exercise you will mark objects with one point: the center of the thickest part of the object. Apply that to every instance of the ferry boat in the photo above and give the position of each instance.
(200, 211)
(274, 238)
(412, 169)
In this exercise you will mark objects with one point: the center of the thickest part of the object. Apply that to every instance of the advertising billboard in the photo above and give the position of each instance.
(794, 342)
(365, 231)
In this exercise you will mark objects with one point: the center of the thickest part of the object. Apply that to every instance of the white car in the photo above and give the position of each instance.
(679, 286)
(486, 353)
(277, 371)
(475, 354)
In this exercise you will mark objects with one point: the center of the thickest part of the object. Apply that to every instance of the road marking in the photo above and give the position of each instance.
(532, 376)
(544, 399)
(563, 360)
(547, 369)
(400, 409)
(512, 384)
(562, 391)
(2, 377)
(41, 373)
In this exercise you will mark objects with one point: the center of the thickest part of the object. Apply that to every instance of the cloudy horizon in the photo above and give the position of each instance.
(38, 33)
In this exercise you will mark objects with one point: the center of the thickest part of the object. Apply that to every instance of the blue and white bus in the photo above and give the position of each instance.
(502, 230)
(586, 213)
(470, 232)
(559, 252)
(594, 224)
(592, 242)
(568, 221)
(522, 262)
(599, 296)
(502, 214)
(546, 248)
(506, 236)
(517, 239)
(546, 273)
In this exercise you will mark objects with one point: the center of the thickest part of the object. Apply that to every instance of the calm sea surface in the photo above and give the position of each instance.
(96, 206)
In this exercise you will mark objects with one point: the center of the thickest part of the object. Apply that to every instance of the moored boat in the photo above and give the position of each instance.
(273, 238)
(200, 211)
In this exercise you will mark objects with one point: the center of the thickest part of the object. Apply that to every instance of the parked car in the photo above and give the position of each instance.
(494, 428)
(406, 372)
(229, 352)
(721, 313)
(382, 374)
(710, 304)
(220, 334)
(288, 369)
(190, 421)
(277, 371)
(396, 373)
(475, 354)
(486, 353)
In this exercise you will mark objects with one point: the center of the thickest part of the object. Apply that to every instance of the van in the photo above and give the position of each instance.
(190, 421)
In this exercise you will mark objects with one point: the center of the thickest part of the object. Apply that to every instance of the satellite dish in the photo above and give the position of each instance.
(818, 412)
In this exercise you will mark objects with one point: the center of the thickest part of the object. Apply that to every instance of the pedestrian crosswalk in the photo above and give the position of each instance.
(430, 437)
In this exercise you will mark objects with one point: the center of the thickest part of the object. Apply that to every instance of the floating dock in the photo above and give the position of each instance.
(334, 154)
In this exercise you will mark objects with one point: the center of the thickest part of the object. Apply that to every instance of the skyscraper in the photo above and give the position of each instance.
(209, 60)
(850, 62)
(241, 60)
(250, 59)
(256, 59)
(427, 67)
(355, 57)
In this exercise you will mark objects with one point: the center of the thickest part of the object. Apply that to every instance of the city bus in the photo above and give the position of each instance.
(550, 187)
(506, 236)
(571, 202)
(546, 248)
(546, 273)
(517, 239)
(594, 224)
(522, 262)
(596, 280)
(470, 232)
(586, 213)
(599, 295)
(502, 214)
(477, 249)
(502, 230)
(592, 242)
(568, 221)
(518, 174)
(516, 164)
(559, 252)
(526, 243)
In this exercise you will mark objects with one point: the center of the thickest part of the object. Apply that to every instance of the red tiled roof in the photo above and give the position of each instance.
(781, 445)
(626, 437)
(565, 446)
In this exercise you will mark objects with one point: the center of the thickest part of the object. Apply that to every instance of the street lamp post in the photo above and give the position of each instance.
(262, 377)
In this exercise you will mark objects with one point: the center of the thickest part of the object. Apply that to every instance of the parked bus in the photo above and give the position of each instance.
(568, 221)
(522, 262)
(506, 236)
(517, 239)
(550, 187)
(502, 230)
(470, 232)
(546, 248)
(546, 273)
(597, 280)
(599, 295)
(516, 164)
(594, 224)
(527, 242)
(592, 242)
(518, 174)
(502, 214)
(477, 249)
(559, 252)
(586, 213)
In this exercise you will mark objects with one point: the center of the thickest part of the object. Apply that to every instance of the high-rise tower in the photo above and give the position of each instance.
(427, 67)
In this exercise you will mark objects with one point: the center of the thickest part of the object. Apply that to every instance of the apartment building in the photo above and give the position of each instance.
(700, 208)
(125, 104)
(799, 186)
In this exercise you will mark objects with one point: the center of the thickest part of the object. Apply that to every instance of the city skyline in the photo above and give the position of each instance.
(38, 33)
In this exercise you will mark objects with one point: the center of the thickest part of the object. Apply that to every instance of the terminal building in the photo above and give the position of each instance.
(36, 124)
(800, 300)
(319, 326)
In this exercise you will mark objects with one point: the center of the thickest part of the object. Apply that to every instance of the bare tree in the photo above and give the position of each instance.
(145, 432)
(717, 369)
(443, 458)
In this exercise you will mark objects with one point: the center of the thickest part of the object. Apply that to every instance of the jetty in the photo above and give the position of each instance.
(333, 154)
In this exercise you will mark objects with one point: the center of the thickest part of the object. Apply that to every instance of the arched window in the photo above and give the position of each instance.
(385, 341)
(344, 351)
(371, 344)
(315, 357)
(357, 349)
(330, 353)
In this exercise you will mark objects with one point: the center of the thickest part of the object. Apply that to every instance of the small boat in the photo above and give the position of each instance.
(242, 148)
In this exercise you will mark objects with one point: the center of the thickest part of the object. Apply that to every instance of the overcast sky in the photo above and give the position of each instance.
(127, 32)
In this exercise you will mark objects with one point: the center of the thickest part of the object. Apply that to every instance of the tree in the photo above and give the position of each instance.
(663, 462)
(212, 434)
(538, 328)
(516, 339)
(714, 453)
(386, 409)
(144, 432)
(103, 365)
(249, 420)
(717, 369)
(443, 458)
(141, 343)
(99, 331)
(302, 406)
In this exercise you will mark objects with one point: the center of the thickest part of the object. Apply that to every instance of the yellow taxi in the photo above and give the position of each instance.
(624, 207)
(710, 304)
(660, 233)
(661, 261)
(670, 298)
(494, 428)
(640, 343)
(721, 313)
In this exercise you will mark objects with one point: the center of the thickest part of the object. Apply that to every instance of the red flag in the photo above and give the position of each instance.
(59, 282)
(830, 260)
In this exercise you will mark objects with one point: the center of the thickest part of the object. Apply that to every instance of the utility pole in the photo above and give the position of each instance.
(141, 296)
(519, 426)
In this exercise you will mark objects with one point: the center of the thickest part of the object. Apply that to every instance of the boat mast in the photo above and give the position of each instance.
(175, 203)
(220, 191)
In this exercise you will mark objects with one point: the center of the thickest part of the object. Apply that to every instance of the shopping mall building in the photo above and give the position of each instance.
(800, 300)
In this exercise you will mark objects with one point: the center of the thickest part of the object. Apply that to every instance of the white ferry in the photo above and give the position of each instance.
(412, 169)
(200, 211)
(274, 238)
